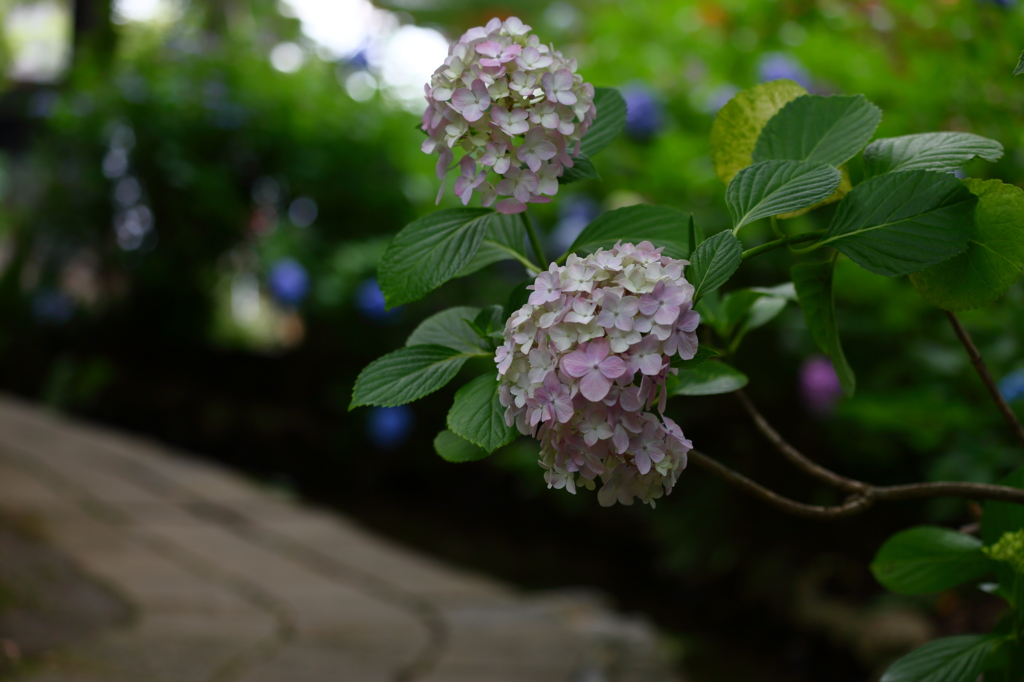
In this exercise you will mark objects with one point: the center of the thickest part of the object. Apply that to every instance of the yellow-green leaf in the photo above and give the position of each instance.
(994, 257)
(739, 123)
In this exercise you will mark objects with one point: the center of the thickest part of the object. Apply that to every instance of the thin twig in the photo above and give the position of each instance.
(971, 491)
(795, 456)
(854, 505)
(986, 378)
(861, 500)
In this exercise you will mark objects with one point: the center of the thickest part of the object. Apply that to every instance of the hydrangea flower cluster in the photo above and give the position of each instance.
(516, 108)
(586, 360)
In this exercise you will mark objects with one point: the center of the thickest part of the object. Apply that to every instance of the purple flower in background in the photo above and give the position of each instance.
(50, 306)
(288, 281)
(644, 113)
(719, 97)
(575, 213)
(819, 385)
(389, 427)
(773, 66)
(1012, 385)
(370, 302)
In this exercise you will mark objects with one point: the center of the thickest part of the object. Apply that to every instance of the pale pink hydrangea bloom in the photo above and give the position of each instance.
(584, 365)
(515, 107)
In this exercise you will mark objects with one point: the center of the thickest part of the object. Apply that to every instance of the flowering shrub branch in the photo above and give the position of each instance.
(588, 354)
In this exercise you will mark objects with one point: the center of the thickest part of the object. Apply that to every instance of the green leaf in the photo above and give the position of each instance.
(451, 448)
(709, 378)
(428, 252)
(786, 291)
(813, 282)
(660, 225)
(929, 559)
(704, 353)
(998, 518)
(900, 223)
(774, 187)
(478, 417)
(517, 298)
(994, 257)
(611, 119)
(713, 263)
(927, 151)
(582, 169)
(739, 123)
(735, 306)
(696, 235)
(818, 129)
(950, 659)
(407, 374)
(503, 240)
(449, 328)
(1020, 65)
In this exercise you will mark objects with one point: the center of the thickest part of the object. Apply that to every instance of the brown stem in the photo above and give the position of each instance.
(795, 456)
(862, 499)
(986, 378)
(854, 505)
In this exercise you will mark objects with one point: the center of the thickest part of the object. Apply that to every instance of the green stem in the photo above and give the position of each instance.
(785, 241)
(776, 229)
(538, 252)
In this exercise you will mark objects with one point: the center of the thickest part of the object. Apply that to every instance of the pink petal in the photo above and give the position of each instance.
(612, 367)
(489, 48)
(651, 364)
(510, 206)
(598, 350)
(576, 364)
(595, 386)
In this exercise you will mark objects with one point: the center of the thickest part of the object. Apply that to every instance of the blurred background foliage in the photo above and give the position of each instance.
(196, 196)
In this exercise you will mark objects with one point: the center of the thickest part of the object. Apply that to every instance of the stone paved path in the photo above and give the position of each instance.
(229, 584)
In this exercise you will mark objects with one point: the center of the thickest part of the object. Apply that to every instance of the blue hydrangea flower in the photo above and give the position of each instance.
(288, 281)
(369, 301)
(773, 66)
(1012, 385)
(645, 115)
(50, 306)
(575, 213)
(388, 428)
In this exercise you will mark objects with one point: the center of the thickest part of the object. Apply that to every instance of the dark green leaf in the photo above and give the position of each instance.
(1020, 65)
(478, 417)
(739, 123)
(704, 353)
(929, 559)
(582, 169)
(927, 151)
(430, 251)
(1003, 517)
(695, 233)
(660, 225)
(406, 375)
(994, 256)
(503, 240)
(900, 223)
(819, 129)
(813, 282)
(713, 263)
(951, 659)
(490, 320)
(448, 328)
(611, 119)
(517, 298)
(451, 448)
(773, 187)
(709, 378)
